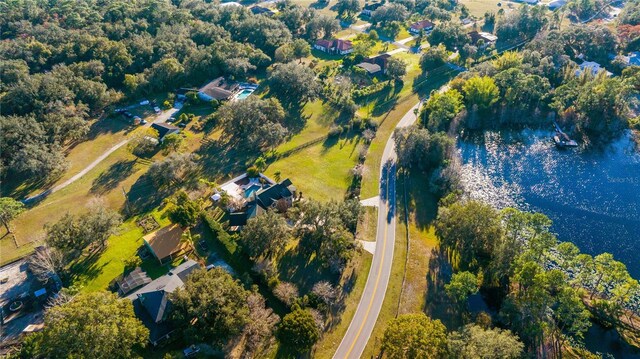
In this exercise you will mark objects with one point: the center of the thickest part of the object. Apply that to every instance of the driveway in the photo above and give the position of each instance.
(363, 322)
(162, 117)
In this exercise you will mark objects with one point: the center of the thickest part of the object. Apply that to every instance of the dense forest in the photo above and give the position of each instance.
(65, 62)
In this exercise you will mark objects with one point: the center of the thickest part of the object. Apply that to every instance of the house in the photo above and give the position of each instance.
(553, 5)
(260, 198)
(230, 3)
(151, 303)
(592, 67)
(261, 10)
(219, 89)
(166, 243)
(424, 25)
(633, 59)
(338, 47)
(380, 60)
(132, 281)
(371, 69)
(487, 38)
(164, 129)
(370, 8)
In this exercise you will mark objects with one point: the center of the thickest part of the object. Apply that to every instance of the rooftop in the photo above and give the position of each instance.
(165, 241)
(219, 89)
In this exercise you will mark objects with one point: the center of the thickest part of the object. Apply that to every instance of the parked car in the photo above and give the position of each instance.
(157, 110)
(119, 110)
(153, 104)
(143, 122)
(191, 351)
(128, 114)
(182, 125)
(144, 102)
(171, 119)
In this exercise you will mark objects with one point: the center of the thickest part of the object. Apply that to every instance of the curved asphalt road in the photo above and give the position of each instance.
(359, 331)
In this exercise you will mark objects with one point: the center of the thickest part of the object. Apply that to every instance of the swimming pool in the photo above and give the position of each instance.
(244, 94)
(250, 190)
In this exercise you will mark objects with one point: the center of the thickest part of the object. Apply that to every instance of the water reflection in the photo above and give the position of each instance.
(592, 195)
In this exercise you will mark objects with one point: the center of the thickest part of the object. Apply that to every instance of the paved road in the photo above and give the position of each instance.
(163, 117)
(363, 322)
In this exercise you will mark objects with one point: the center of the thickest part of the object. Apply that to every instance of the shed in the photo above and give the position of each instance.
(166, 243)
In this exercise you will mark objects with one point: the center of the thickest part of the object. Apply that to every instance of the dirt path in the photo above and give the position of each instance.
(163, 117)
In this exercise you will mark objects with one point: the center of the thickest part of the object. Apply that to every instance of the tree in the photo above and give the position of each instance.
(322, 26)
(433, 57)
(396, 68)
(393, 12)
(471, 230)
(174, 170)
(259, 330)
(92, 325)
(461, 286)
(216, 300)
(172, 142)
(265, 236)
(450, 34)
(9, 209)
(143, 141)
(481, 92)
(301, 49)
(46, 262)
(325, 291)
(414, 336)
(440, 109)
(185, 211)
(254, 122)
(293, 83)
(420, 150)
(475, 342)
(72, 234)
(286, 292)
(298, 330)
(337, 250)
(347, 8)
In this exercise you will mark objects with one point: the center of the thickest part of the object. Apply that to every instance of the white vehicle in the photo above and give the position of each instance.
(157, 109)
(145, 102)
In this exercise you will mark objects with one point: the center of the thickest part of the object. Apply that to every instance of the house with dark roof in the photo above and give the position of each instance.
(482, 39)
(423, 25)
(259, 201)
(219, 89)
(166, 243)
(367, 10)
(380, 60)
(371, 69)
(152, 305)
(336, 47)
(164, 129)
(261, 10)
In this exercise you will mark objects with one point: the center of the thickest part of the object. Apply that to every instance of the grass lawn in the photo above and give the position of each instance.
(320, 117)
(94, 275)
(422, 241)
(321, 171)
(340, 320)
(477, 8)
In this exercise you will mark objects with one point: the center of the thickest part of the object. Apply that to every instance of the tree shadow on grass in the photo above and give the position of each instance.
(299, 268)
(422, 203)
(86, 268)
(223, 158)
(143, 196)
(115, 174)
(437, 304)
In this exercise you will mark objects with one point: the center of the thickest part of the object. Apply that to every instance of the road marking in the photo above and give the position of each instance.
(375, 287)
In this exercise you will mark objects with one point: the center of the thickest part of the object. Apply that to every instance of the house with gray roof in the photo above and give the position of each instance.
(151, 303)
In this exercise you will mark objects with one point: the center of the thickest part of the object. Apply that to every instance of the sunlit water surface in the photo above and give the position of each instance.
(592, 195)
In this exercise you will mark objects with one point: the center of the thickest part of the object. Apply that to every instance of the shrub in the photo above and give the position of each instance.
(335, 130)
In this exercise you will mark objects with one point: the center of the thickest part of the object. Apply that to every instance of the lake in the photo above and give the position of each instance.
(591, 194)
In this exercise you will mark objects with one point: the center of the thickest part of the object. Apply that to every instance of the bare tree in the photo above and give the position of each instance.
(259, 331)
(325, 291)
(46, 262)
(286, 292)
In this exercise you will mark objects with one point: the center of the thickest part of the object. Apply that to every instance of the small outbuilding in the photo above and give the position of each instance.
(166, 243)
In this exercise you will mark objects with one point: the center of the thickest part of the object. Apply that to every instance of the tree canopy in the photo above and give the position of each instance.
(414, 336)
(91, 325)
